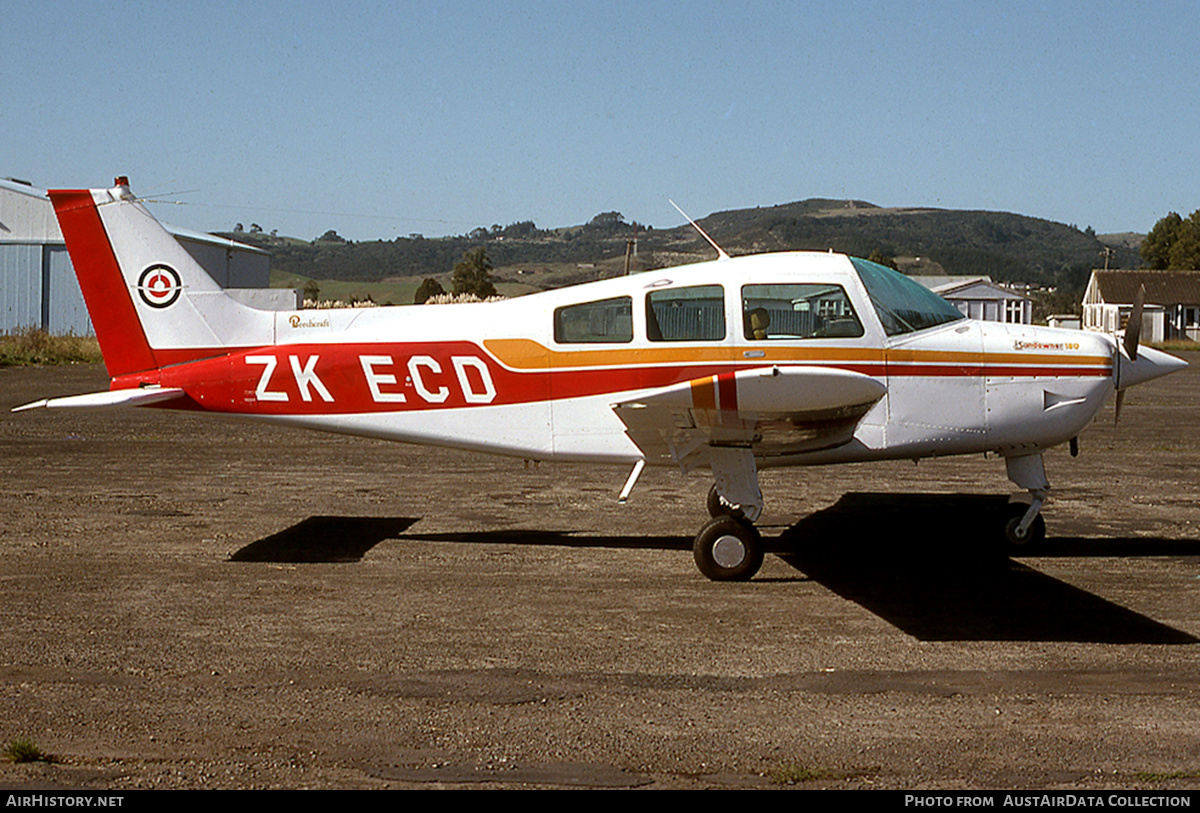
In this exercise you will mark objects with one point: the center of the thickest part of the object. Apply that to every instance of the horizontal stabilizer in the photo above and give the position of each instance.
(132, 397)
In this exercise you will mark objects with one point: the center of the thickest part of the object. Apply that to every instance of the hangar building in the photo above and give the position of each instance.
(37, 281)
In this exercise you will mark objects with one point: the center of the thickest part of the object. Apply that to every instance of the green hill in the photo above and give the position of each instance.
(1008, 247)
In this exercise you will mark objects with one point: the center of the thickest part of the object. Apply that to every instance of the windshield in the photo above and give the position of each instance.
(903, 305)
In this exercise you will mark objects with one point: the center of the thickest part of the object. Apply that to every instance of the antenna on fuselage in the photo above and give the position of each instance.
(721, 255)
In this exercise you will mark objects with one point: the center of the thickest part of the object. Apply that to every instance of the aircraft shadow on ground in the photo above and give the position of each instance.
(567, 539)
(348, 539)
(931, 564)
(324, 539)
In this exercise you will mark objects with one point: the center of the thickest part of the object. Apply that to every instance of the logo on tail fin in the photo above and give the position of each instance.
(159, 286)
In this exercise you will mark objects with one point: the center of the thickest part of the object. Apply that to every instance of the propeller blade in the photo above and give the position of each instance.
(1133, 328)
(1117, 413)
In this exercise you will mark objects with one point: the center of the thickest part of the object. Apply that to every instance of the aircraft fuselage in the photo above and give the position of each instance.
(494, 376)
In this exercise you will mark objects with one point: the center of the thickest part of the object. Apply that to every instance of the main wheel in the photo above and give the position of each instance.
(1033, 537)
(728, 550)
(718, 508)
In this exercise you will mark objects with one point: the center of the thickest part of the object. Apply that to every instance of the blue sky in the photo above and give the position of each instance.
(384, 119)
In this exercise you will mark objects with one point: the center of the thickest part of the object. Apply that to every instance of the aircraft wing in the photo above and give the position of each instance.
(142, 396)
(771, 410)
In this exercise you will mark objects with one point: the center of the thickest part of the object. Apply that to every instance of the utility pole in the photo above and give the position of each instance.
(630, 249)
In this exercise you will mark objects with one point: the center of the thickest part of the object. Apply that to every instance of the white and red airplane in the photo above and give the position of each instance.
(780, 359)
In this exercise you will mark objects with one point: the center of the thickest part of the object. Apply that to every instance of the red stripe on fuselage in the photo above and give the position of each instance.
(315, 379)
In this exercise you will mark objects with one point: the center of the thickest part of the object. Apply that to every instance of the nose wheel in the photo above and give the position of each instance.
(1022, 536)
(728, 549)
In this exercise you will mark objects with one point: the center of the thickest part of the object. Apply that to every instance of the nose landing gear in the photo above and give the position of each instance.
(1025, 528)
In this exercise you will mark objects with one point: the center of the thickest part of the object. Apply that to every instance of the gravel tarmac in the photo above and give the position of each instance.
(193, 602)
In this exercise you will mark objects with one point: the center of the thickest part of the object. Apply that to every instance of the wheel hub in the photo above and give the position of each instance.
(729, 551)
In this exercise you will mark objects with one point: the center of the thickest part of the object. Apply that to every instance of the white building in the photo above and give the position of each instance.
(1171, 308)
(980, 298)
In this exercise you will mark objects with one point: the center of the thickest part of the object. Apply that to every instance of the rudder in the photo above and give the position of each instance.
(150, 302)
(122, 340)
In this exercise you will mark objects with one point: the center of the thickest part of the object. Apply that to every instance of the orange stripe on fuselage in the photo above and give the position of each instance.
(526, 354)
(704, 393)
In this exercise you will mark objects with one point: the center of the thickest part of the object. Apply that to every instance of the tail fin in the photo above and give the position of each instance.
(150, 302)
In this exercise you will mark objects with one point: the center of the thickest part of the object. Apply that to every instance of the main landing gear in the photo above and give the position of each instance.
(729, 547)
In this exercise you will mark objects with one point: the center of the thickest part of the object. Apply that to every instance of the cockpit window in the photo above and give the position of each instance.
(903, 305)
(686, 314)
(798, 311)
(606, 320)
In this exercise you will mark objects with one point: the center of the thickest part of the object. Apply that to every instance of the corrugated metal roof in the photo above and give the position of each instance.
(933, 283)
(1162, 287)
(23, 188)
(212, 239)
(49, 232)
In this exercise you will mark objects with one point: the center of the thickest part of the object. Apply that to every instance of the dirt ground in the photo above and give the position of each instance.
(189, 602)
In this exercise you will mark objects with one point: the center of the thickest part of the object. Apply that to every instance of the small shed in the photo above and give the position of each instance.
(1171, 306)
(1065, 320)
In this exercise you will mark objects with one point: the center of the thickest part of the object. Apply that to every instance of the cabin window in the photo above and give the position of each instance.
(695, 314)
(798, 311)
(903, 305)
(606, 320)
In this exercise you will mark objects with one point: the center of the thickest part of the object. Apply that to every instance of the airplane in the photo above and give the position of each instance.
(730, 365)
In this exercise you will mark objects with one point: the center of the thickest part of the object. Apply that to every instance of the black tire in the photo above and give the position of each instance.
(718, 508)
(728, 550)
(1033, 539)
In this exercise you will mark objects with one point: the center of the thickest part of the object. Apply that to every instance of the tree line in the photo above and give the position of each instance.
(1173, 244)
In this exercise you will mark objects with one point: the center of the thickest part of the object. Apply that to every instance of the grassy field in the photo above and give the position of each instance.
(31, 346)
(510, 281)
(397, 292)
(1176, 346)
